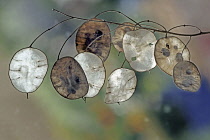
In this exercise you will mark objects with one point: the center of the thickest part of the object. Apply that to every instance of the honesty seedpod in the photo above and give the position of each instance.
(139, 48)
(27, 69)
(119, 33)
(84, 75)
(168, 52)
(68, 78)
(94, 37)
(121, 86)
(94, 71)
(186, 76)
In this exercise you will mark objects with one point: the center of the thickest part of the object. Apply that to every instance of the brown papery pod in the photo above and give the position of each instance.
(94, 37)
(119, 33)
(186, 76)
(168, 52)
(68, 78)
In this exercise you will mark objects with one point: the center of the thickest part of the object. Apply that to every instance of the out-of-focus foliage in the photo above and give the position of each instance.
(157, 110)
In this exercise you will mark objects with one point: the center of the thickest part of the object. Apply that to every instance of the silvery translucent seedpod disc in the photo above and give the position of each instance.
(68, 78)
(117, 39)
(94, 71)
(186, 76)
(139, 48)
(168, 52)
(94, 37)
(27, 69)
(121, 86)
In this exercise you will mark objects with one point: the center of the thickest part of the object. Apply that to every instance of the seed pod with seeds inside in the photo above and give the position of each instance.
(186, 76)
(94, 37)
(68, 78)
(121, 86)
(27, 69)
(94, 71)
(119, 33)
(168, 52)
(139, 47)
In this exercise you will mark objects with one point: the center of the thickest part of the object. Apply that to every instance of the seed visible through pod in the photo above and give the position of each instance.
(117, 39)
(121, 86)
(168, 52)
(186, 76)
(94, 37)
(68, 78)
(139, 48)
(94, 71)
(27, 69)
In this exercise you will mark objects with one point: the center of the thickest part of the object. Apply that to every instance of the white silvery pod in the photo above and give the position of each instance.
(121, 86)
(139, 48)
(27, 69)
(94, 71)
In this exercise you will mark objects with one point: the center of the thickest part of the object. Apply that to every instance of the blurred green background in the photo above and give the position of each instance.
(157, 111)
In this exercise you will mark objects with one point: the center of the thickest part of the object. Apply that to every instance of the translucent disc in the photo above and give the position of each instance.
(186, 76)
(168, 52)
(27, 69)
(88, 38)
(68, 78)
(121, 86)
(139, 47)
(94, 71)
(117, 39)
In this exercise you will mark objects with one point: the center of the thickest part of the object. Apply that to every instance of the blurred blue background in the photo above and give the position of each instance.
(158, 110)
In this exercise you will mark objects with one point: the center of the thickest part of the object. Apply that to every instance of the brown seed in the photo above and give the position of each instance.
(68, 78)
(121, 30)
(94, 37)
(168, 52)
(186, 76)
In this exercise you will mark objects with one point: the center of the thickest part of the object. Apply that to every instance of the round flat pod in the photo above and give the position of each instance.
(121, 86)
(94, 71)
(27, 69)
(168, 52)
(139, 48)
(94, 37)
(68, 78)
(186, 76)
(119, 33)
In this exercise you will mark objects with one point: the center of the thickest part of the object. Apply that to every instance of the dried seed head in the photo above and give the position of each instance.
(121, 86)
(94, 37)
(117, 39)
(139, 48)
(168, 52)
(27, 70)
(68, 78)
(94, 71)
(186, 76)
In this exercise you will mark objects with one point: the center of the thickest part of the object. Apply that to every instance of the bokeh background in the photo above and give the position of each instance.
(158, 110)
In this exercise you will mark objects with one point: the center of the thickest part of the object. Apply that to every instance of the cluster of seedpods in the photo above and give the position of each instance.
(83, 76)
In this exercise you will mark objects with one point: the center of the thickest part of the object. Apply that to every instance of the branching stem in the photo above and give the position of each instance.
(48, 30)
(147, 28)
